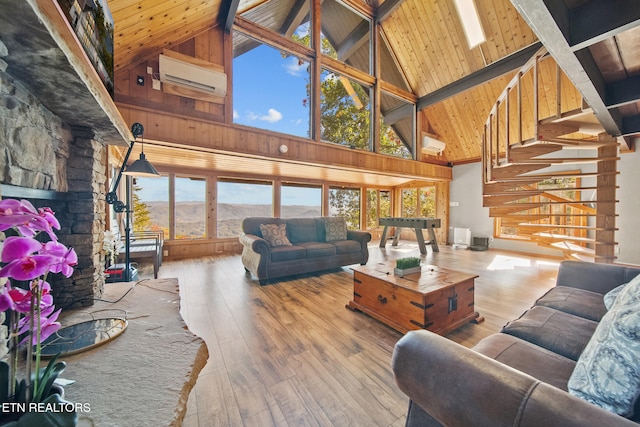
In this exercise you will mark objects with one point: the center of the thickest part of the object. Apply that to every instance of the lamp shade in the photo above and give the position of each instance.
(141, 167)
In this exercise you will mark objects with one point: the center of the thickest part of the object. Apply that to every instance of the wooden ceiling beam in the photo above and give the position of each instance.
(507, 64)
(299, 12)
(386, 9)
(354, 40)
(228, 11)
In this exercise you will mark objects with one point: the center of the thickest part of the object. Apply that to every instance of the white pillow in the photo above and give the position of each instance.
(607, 373)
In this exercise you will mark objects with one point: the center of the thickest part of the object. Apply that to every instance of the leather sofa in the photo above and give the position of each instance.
(309, 249)
(520, 376)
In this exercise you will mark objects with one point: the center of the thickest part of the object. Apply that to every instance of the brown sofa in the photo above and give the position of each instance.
(308, 252)
(518, 377)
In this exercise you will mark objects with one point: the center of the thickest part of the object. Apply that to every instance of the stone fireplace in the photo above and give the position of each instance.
(46, 161)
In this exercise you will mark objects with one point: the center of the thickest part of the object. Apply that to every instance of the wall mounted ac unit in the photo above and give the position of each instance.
(191, 76)
(431, 145)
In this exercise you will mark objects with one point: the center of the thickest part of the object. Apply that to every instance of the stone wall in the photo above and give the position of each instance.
(39, 151)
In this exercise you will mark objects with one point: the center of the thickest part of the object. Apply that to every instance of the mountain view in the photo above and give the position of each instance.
(191, 221)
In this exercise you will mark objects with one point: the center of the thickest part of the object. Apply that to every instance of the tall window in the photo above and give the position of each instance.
(345, 111)
(238, 199)
(419, 202)
(397, 126)
(190, 208)
(409, 202)
(345, 202)
(300, 201)
(348, 34)
(269, 88)
(378, 206)
(151, 204)
(427, 202)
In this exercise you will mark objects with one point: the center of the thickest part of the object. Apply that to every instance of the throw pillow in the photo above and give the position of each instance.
(607, 373)
(275, 235)
(611, 296)
(335, 228)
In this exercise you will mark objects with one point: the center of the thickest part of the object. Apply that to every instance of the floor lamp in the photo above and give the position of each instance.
(140, 167)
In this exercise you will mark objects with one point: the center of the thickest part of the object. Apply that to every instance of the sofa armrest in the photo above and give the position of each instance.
(255, 254)
(460, 387)
(593, 277)
(363, 237)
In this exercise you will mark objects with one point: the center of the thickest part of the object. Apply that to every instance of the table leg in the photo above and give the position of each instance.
(396, 236)
(383, 239)
(433, 242)
(421, 244)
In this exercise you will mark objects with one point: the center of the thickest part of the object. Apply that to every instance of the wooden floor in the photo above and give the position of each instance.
(290, 354)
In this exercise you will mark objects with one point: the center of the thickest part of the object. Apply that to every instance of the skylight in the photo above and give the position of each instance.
(470, 22)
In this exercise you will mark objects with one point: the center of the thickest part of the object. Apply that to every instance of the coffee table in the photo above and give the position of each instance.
(436, 298)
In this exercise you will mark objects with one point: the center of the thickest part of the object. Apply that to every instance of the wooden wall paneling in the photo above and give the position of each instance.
(227, 55)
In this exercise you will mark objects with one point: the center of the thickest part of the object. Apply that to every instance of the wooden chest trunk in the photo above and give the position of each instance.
(436, 299)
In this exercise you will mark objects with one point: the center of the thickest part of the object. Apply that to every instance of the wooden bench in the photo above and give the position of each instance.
(143, 245)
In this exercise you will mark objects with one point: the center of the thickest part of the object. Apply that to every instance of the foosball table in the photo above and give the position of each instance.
(418, 224)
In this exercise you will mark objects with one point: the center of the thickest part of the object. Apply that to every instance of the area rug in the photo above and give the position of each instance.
(144, 376)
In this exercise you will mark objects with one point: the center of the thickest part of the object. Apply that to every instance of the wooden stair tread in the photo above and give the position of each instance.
(568, 226)
(543, 177)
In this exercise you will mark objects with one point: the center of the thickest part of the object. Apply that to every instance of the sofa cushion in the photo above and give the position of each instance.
(347, 246)
(536, 361)
(317, 249)
(275, 234)
(562, 333)
(574, 301)
(608, 372)
(335, 228)
(288, 253)
(302, 230)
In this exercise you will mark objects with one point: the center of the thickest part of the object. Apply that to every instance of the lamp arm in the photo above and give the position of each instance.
(112, 197)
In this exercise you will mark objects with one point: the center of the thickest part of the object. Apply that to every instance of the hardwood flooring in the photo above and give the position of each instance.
(291, 354)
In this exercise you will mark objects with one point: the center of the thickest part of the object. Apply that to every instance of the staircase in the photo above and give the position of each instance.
(549, 171)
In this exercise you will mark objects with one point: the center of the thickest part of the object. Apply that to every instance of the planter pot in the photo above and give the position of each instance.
(404, 271)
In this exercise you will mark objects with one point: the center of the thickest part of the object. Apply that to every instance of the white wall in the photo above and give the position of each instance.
(628, 234)
(466, 191)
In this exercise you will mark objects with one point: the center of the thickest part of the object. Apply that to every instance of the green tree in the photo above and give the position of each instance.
(141, 213)
(345, 202)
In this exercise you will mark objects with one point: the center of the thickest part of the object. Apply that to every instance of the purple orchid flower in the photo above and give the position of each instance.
(23, 264)
(48, 325)
(6, 302)
(26, 219)
(65, 260)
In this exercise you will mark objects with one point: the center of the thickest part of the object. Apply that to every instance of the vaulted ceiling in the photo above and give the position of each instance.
(596, 42)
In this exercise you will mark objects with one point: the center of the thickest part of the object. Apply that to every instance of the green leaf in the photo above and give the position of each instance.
(47, 376)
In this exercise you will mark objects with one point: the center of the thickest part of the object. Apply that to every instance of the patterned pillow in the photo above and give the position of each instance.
(607, 373)
(335, 228)
(275, 235)
(610, 297)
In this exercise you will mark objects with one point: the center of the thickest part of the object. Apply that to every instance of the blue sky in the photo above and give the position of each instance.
(269, 91)
(157, 189)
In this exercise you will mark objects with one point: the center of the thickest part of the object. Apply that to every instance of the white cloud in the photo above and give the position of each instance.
(295, 67)
(235, 114)
(252, 116)
(273, 116)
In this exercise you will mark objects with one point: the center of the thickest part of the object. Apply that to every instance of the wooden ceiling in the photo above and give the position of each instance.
(456, 86)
